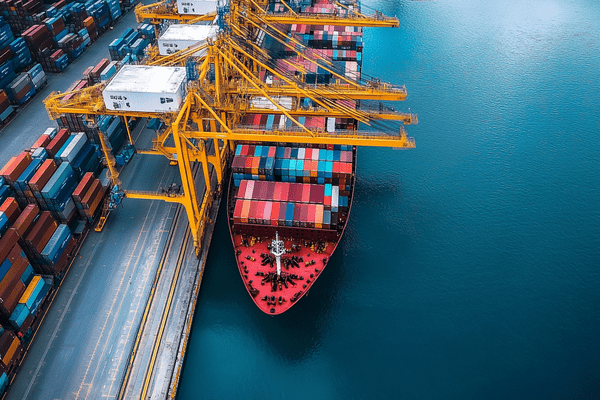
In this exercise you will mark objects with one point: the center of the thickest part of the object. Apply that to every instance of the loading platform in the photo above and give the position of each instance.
(118, 325)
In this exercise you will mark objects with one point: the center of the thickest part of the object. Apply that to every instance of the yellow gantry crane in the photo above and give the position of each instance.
(231, 84)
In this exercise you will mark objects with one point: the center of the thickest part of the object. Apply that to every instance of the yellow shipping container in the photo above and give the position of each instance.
(30, 289)
(11, 351)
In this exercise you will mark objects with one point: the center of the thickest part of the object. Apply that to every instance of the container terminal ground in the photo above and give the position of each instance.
(119, 322)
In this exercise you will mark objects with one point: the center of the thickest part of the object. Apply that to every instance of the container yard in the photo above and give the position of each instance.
(95, 241)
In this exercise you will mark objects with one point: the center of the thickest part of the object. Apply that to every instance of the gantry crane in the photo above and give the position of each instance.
(228, 87)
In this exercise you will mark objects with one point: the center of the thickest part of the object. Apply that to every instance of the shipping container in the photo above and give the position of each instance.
(179, 37)
(146, 88)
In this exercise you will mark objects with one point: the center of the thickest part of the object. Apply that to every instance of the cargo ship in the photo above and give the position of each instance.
(288, 204)
(286, 225)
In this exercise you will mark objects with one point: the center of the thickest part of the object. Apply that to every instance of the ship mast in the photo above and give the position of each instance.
(278, 249)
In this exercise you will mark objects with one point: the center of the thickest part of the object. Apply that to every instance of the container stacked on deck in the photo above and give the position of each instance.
(291, 186)
(300, 186)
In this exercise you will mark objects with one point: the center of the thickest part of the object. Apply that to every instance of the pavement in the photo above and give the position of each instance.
(101, 315)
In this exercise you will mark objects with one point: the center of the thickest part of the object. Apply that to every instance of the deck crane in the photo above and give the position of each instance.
(231, 85)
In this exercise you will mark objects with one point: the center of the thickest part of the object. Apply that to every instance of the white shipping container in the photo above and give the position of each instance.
(178, 37)
(263, 102)
(196, 7)
(74, 147)
(50, 132)
(330, 124)
(146, 89)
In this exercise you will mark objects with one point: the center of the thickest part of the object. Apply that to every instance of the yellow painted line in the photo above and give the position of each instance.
(147, 309)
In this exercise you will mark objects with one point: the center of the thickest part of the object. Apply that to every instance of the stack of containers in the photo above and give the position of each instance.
(6, 109)
(114, 129)
(22, 317)
(292, 164)
(78, 14)
(37, 76)
(114, 8)
(13, 272)
(94, 75)
(22, 55)
(88, 196)
(118, 48)
(57, 192)
(58, 250)
(100, 13)
(90, 26)
(147, 31)
(21, 186)
(36, 240)
(20, 89)
(11, 350)
(40, 42)
(13, 170)
(109, 71)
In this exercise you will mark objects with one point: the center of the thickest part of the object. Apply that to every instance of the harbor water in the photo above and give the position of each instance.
(470, 268)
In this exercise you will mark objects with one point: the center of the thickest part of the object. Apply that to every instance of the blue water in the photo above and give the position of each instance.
(470, 266)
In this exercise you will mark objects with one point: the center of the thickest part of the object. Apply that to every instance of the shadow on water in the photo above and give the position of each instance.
(294, 335)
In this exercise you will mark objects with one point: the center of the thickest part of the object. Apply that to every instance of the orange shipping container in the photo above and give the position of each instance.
(12, 350)
(10, 207)
(245, 211)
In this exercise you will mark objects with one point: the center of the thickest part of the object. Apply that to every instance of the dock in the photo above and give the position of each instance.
(118, 325)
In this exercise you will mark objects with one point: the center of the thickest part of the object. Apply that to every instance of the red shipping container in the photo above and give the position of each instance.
(91, 193)
(12, 172)
(241, 190)
(11, 209)
(26, 220)
(12, 296)
(305, 192)
(42, 231)
(263, 192)
(270, 190)
(285, 193)
(252, 212)
(272, 150)
(43, 175)
(260, 211)
(56, 143)
(12, 276)
(317, 194)
(83, 187)
(275, 213)
(237, 212)
(282, 212)
(248, 165)
(42, 141)
(7, 244)
(278, 189)
(308, 154)
(297, 192)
